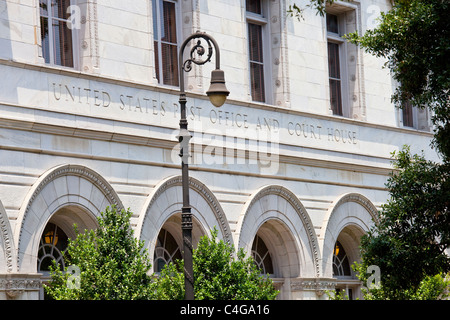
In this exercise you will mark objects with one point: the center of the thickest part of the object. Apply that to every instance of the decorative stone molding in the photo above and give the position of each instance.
(278, 283)
(201, 189)
(359, 218)
(361, 200)
(8, 245)
(301, 211)
(319, 285)
(16, 284)
(64, 170)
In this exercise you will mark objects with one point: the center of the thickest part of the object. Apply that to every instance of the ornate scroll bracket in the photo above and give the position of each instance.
(197, 52)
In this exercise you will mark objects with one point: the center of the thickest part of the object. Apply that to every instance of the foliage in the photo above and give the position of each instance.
(408, 244)
(318, 5)
(112, 263)
(435, 287)
(218, 274)
(337, 295)
(432, 288)
(169, 285)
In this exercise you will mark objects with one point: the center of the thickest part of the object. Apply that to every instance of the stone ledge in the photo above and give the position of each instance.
(15, 284)
(319, 285)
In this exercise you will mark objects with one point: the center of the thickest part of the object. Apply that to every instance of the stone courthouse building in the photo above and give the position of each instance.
(292, 167)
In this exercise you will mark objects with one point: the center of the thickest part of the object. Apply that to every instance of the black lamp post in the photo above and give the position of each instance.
(217, 94)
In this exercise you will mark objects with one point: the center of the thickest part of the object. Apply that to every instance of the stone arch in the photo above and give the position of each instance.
(350, 216)
(166, 201)
(282, 245)
(281, 209)
(7, 252)
(74, 189)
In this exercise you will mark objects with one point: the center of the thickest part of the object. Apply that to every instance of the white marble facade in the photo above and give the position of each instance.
(75, 140)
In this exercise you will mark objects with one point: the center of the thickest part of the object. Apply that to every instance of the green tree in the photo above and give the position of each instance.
(408, 244)
(111, 263)
(219, 274)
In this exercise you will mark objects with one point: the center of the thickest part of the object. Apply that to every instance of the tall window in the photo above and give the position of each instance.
(166, 251)
(165, 41)
(56, 35)
(256, 23)
(408, 116)
(334, 63)
(341, 265)
(52, 246)
(261, 256)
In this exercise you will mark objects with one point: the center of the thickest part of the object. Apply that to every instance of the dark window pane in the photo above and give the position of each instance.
(156, 60)
(408, 115)
(335, 97)
(63, 51)
(45, 40)
(43, 10)
(169, 64)
(256, 62)
(53, 244)
(169, 31)
(255, 42)
(257, 81)
(262, 256)
(332, 23)
(268, 265)
(253, 6)
(341, 265)
(59, 9)
(166, 251)
(56, 36)
(166, 49)
(334, 74)
(333, 60)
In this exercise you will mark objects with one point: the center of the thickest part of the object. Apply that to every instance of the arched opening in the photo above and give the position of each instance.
(345, 254)
(341, 265)
(63, 195)
(162, 211)
(277, 216)
(274, 250)
(167, 251)
(169, 242)
(52, 247)
(262, 256)
(346, 221)
(276, 254)
(55, 237)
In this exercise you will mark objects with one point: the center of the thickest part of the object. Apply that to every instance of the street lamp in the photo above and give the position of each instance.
(217, 94)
